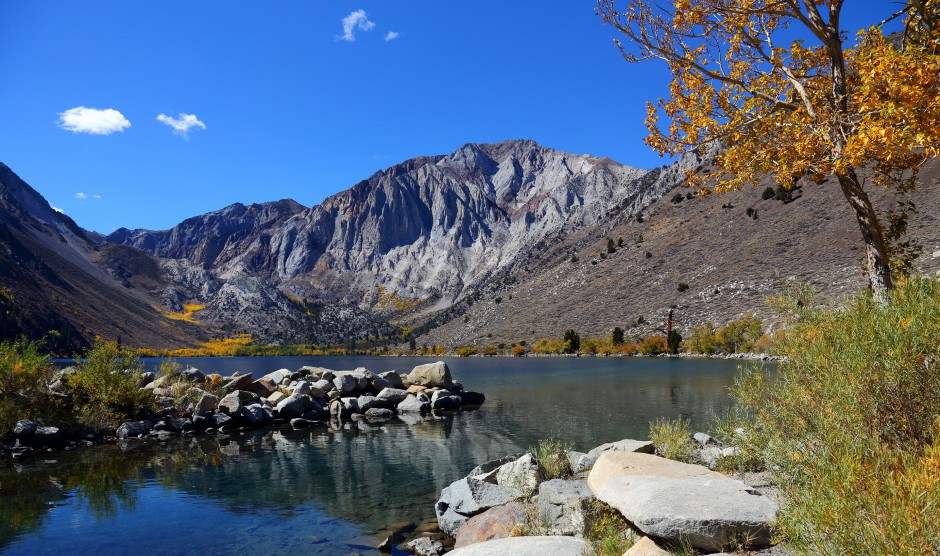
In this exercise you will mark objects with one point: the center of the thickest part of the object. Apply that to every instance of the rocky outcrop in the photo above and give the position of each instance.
(682, 502)
(495, 523)
(492, 484)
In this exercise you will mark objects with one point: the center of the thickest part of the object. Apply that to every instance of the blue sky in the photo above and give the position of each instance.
(259, 101)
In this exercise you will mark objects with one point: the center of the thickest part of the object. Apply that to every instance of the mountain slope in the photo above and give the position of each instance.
(52, 285)
(730, 261)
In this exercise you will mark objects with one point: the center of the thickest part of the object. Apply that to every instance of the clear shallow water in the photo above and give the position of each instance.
(324, 491)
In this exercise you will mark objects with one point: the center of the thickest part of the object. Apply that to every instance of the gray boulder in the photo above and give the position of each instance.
(254, 415)
(523, 474)
(237, 382)
(393, 395)
(345, 383)
(231, 404)
(681, 502)
(292, 406)
(424, 546)
(442, 400)
(371, 402)
(579, 461)
(24, 428)
(393, 379)
(192, 374)
(468, 497)
(415, 404)
(323, 385)
(432, 374)
(277, 376)
(379, 414)
(207, 402)
(133, 429)
(562, 506)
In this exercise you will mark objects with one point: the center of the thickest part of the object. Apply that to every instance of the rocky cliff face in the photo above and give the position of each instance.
(427, 229)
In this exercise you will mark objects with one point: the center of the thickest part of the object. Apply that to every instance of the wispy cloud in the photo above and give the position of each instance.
(181, 124)
(85, 196)
(392, 35)
(355, 20)
(93, 121)
(57, 209)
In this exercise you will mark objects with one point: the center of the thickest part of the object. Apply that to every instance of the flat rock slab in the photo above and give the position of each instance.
(625, 445)
(495, 523)
(525, 546)
(681, 502)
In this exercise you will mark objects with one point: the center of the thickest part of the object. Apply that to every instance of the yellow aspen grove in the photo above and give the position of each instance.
(817, 106)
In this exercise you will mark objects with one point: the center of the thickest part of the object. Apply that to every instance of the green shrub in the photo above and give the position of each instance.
(677, 198)
(682, 287)
(553, 455)
(850, 425)
(673, 439)
(24, 373)
(606, 531)
(106, 386)
(703, 339)
(768, 193)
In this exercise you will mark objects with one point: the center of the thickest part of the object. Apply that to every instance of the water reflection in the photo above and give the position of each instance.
(323, 490)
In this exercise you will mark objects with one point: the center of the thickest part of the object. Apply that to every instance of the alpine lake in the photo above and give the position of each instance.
(333, 491)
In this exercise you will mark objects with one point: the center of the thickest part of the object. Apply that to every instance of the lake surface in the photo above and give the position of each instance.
(331, 491)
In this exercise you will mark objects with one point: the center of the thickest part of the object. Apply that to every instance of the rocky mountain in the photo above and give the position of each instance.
(492, 243)
(52, 284)
(416, 236)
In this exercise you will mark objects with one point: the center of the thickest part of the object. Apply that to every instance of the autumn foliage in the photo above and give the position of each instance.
(790, 95)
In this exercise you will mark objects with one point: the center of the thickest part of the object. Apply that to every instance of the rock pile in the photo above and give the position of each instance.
(664, 501)
(191, 402)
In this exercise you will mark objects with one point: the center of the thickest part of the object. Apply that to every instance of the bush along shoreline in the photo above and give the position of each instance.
(109, 397)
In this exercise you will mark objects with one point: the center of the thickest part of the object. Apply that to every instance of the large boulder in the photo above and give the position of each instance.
(467, 497)
(471, 398)
(237, 382)
(562, 506)
(263, 387)
(371, 402)
(682, 502)
(415, 404)
(24, 428)
(393, 378)
(393, 395)
(432, 374)
(424, 546)
(292, 406)
(525, 546)
(231, 404)
(133, 429)
(277, 376)
(523, 474)
(495, 523)
(345, 383)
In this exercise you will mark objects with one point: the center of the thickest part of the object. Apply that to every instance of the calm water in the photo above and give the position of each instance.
(326, 491)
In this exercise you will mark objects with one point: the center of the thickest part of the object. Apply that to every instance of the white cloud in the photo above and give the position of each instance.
(355, 20)
(96, 196)
(93, 121)
(392, 35)
(81, 196)
(182, 124)
(57, 209)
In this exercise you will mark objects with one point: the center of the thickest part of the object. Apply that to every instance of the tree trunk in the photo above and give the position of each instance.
(877, 261)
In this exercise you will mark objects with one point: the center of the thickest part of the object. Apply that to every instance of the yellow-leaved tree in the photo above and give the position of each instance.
(788, 94)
